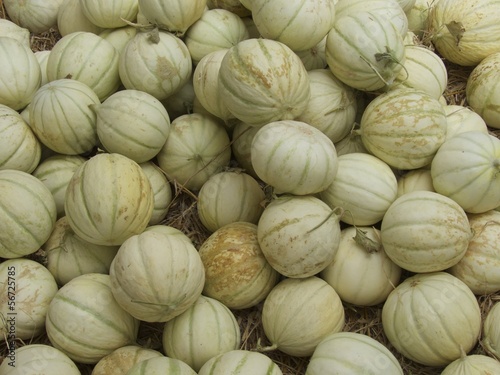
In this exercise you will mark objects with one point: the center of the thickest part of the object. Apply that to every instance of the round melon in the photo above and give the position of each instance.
(35, 15)
(20, 148)
(302, 26)
(361, 272)
(294, 157)
(88, 58)
(299, 235)
(13, 30)
(132, 123)
(197, 147)
(474, 364)
(423, 231)
(460, 119)
(466, 169)
(31, 359)
(483, 91)
(61, 116)
(20, 76)
(236, 270)
(69, 256)
(262, 80)
(110, 14)
(156, 276)
(464, 33)
(240, 362)
(162, 191)
(123, 359)
(299, 313)
(216, 29)
(56, 172)
(403, 127)
(478, 267)
(491, 332)
(109, 199)
(175, 16)
(228, 197)
(364, 187)
(29, 213)
(208, 328)
(332, 106)
(70, 19)
(352, 353)
(159, 65)
(423, 70)
(27, 288)
(86, 323)
(366, 58)
(432, 318)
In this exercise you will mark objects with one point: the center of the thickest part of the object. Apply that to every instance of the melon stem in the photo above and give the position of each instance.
(269, 348)
(365, 242)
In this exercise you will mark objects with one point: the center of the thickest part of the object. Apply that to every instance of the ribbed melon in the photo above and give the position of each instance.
(423, 231)
(236, 270)
(132, 123)
(423, 70)
(123, 359)
(354, 353)
(216, 29)
(294, 157)
(197, 147)
(19, 147)
(262, 80)
(86, 323)
(162, 191)
(26, 292)
(56, 172)
(158, 365)
(483, 91)
(332, 106)
(110, 14)
(68, 256)
(88, 58)
(156, 276)
(159, 67)
(70, 19)
(432, 318)
(298, 235)
(20, 76)
(301, 27)
(365, 51)
(478, 267)
(299, 313)
(389, 10)
(108, 199)
(364, 187)
(466, 169)
(61, 117)
(28, 211)
(228, 197)
(465, 33)
(175, 16)
(240, 362)
(43, 357)
(205, 330)
(404, 127)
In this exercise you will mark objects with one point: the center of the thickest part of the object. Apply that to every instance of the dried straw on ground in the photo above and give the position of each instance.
(183, 215)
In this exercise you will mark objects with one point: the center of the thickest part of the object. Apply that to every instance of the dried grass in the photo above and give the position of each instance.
(182, 215)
